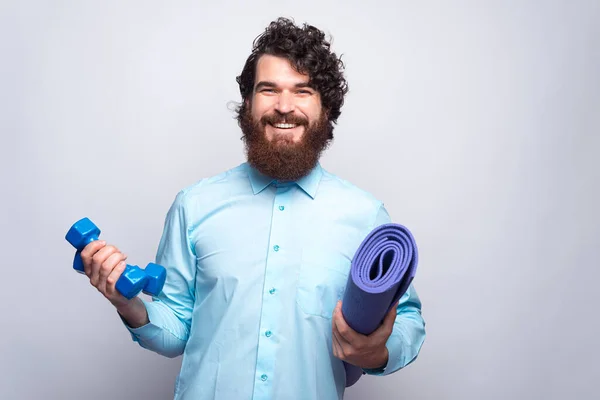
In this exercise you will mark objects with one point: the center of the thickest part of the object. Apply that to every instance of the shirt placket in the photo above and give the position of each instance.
(271, 305)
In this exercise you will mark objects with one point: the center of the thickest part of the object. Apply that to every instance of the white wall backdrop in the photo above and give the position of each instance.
(477, 122)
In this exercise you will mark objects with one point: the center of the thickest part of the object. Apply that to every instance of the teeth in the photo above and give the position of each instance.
(285, 126)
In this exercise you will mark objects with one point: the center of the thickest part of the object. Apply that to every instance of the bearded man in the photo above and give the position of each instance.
(258, 256)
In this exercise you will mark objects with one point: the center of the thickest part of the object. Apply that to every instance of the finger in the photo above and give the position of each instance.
(97, 261)
(343, 342)
(88, 252)
(346, 333)
(335, 340)
(107, 267)
(338, 349)
(112, 279)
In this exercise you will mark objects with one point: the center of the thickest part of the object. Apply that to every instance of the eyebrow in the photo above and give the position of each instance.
(263, 84)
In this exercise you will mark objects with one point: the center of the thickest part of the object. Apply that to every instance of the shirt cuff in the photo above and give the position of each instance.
(374, 371)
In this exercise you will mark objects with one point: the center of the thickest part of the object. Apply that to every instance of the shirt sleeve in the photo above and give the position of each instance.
(408, 334)
(170, 312)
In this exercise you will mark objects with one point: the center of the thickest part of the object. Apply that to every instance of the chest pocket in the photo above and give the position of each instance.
(322, 279)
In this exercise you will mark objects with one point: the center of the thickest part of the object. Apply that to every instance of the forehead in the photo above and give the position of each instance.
(278, 70)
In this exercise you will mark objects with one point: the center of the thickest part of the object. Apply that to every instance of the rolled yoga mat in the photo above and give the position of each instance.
(380, 273)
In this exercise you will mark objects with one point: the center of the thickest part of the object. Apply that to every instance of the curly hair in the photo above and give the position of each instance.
(309, 53)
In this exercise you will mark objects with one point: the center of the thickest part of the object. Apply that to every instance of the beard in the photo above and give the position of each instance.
(281, 158)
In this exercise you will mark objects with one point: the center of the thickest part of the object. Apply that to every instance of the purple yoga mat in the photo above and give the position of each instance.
(381, 271)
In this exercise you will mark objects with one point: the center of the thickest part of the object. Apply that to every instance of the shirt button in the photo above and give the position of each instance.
(276, 247)
(281, 208)
(263, 377)
(268, 333)
(272, 291)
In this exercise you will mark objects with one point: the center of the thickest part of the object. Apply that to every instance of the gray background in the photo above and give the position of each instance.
(476, 122)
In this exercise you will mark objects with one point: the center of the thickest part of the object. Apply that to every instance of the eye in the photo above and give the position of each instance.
(304, 92)
(268, 90)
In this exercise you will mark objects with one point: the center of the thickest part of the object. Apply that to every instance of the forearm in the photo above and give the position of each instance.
(408, 335)
(406, 340)
(163, 331)
(134, 313)
(163, 324)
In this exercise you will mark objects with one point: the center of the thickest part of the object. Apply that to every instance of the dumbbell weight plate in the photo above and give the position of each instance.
(78, 263)
(132, 281)
(156, 279)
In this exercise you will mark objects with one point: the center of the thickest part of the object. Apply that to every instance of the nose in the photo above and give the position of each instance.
(285, 103)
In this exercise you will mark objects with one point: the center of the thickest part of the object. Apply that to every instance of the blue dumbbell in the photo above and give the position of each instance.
(133, 279)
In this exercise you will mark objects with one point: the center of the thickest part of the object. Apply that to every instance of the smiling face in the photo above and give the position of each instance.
(285, 128)
(283, 99)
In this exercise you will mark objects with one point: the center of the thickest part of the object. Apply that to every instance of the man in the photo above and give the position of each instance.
(258, 257)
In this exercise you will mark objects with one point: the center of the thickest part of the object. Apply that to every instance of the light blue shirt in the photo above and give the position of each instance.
(254, 270)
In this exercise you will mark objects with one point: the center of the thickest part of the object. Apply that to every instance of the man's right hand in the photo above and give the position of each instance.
(104, 264)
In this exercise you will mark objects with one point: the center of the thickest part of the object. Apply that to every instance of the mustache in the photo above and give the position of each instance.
(277, 118)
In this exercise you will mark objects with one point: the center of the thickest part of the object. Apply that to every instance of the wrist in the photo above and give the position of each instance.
(133, 312)
(384, 358)
(381, 360)
(123, 304)
(378, 361)
(379, 365)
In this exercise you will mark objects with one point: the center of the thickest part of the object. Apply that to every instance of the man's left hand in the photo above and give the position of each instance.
(364, 351)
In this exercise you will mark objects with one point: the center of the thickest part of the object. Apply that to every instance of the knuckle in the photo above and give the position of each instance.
(97, 258)
(338, 350)
(90, 248)
(86, 258)
(86, 251)
(105, 267)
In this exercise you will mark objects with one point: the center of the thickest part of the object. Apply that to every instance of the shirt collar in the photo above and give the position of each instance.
(309, 183)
